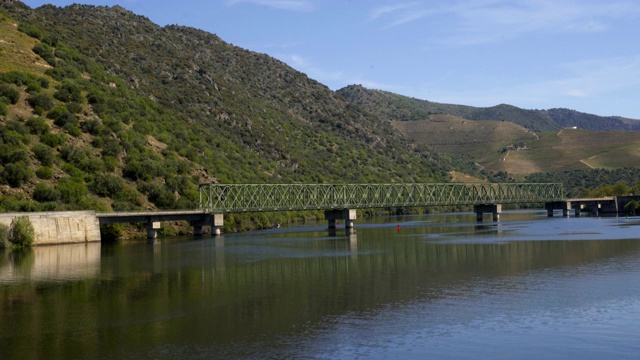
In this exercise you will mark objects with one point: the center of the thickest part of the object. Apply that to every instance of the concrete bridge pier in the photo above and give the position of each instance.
(347, 215)
(563, 205)
(494, 209)
(215, 221)
(152, 229)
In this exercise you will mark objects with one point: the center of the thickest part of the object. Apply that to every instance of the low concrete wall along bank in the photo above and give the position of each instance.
(60, 227)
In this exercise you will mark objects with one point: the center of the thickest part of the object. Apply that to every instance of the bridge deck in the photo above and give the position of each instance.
(150, 216)
(606, 198)
(226, 198)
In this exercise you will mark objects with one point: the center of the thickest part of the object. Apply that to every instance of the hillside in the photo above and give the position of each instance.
(397, 107)
(498, 146)
(509, 144)
(456, 136)
(102, 109)
(106, 110)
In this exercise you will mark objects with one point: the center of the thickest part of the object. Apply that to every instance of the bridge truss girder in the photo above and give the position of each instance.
(230, 198)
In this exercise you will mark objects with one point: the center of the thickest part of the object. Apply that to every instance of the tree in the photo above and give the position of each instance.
(17, 174)
(41, 103)
(45, 193)
(621, 188)
(4, 236)
(632, 207)
(22, 232)
(72, 189)
(44, 154)
(10, 92)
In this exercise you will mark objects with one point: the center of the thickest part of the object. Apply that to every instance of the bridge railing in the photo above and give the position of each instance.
(227, 198)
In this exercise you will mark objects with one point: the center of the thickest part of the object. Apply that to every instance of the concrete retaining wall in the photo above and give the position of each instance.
(60, 227)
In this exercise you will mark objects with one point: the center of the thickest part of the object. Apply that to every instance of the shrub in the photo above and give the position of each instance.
(40, 102)
(16, 174)
(38, 125)
(158, 194)
(72, 189)
(12, 137)
(19, 155)
(69, 91)
(107, 185)
(22, 233)
(72, 170)
(73, 130)
(130, 195)
(93, 126)
(31, 30)
(62, 117)
(44, 173)
(46, 52)
(44, 154)
(45, 193)
(18, 127)
(111, 232)
(74, 107)
(44, 82)
(19, 78)
(632, 207)
(4, 236)
(52, 140)
(34, 88)
(111, 147)
(120, 205)
(110, 163)
(10, 92)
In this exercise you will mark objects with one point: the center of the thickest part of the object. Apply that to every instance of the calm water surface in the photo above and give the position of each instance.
(440, 287)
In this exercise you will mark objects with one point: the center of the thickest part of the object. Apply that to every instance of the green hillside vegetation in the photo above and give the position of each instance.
(397, 107)
(104, 110)
(593, 182)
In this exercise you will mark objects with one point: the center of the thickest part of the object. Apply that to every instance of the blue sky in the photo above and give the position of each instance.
(577, 54)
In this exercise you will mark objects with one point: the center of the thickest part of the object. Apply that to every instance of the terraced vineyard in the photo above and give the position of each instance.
(505, 146)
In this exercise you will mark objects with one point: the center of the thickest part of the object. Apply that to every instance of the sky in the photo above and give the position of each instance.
(535, 54)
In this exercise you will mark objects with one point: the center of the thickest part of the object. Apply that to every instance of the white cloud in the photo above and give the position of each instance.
(390, 9)
(477, 22)
(332, 79)
(600, 76)
(290, 5)
(582, 83)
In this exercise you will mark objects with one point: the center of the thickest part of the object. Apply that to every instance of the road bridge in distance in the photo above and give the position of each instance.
(595, 206)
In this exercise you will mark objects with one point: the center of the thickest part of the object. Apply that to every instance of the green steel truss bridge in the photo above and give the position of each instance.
(233, 198)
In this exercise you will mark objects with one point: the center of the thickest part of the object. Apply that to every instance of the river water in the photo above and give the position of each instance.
(420, 287)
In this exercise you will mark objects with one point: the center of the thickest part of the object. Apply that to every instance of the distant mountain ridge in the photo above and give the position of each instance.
(398, 107)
